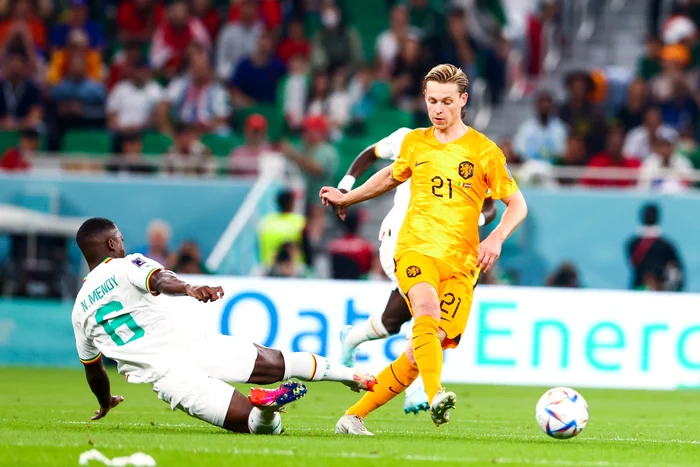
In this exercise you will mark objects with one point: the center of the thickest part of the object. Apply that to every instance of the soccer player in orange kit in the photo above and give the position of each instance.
(438, 255)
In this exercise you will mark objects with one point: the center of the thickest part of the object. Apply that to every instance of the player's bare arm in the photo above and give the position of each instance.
(490, 248)
(362, 163)
(167, 282)
(380, 183)
(99, 385)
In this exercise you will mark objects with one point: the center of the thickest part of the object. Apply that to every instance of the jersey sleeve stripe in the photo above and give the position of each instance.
(376, 150)
(148, 281)
(92, 360)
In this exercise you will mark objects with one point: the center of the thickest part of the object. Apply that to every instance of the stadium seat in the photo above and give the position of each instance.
(89, 142)
(156, 143)
(381, 93)
(274, 116)
(221, 146)
(385, 121)
(348, 149)
(370, 18)
(8, 139)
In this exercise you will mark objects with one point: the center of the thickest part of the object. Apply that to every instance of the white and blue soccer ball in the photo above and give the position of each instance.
(562, 413)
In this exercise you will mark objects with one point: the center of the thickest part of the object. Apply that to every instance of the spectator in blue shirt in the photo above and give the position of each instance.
(256, 77)
(20, 98)
(80, 102)
(78, 19)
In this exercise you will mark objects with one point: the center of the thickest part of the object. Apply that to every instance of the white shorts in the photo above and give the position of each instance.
(386, 257)
(197, 385)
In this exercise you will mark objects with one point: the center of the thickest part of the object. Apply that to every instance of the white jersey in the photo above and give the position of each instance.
(116, 315)
(389, 148)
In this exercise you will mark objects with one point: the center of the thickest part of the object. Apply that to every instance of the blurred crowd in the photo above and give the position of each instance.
(643, 121)
(181, 79)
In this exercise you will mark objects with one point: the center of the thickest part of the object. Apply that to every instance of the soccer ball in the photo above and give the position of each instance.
(562, 413)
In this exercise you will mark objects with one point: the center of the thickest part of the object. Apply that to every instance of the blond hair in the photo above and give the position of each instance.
(447, 73)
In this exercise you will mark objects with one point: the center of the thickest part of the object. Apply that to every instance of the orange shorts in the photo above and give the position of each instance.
(455, 290)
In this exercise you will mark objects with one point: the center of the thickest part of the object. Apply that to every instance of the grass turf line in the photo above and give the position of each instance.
(44, 421)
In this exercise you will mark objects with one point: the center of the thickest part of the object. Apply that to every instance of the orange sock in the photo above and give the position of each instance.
(393, 380)
(428, 353)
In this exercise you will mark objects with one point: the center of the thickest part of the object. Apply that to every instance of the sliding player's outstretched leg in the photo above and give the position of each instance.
(241, 361)
(273, 365)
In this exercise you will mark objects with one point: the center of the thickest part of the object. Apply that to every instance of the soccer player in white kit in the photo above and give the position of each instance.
(396, 312)
(117, 314)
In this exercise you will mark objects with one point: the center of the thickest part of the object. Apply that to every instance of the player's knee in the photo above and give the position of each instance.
(198, 396)
(424, 300)
(426, 307)
(409, 352)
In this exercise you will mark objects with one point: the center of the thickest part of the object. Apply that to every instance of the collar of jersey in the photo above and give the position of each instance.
(106, 260)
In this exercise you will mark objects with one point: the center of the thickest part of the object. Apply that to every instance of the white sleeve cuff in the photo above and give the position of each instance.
(482, 219)
(347, 183)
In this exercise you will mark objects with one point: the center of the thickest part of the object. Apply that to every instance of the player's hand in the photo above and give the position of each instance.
(489, 252)
(340, 211)
(331, 195)
(204, 293)
(115, 401)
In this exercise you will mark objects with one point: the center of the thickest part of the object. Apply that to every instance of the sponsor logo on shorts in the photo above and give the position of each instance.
(466, 170)
(413, 271)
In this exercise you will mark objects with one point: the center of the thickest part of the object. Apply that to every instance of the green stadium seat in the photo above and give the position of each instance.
(385, 121)
(156, 143)
(349, 148)
(221, 146)
(370, 18)
(381, 93)
(89, 142)
(8, 139)
(275, 119)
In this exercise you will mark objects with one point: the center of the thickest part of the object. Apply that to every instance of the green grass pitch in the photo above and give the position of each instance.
(44, 417)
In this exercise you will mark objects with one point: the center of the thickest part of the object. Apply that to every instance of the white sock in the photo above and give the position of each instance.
(264, 422)
(311, 367)
(370, 330)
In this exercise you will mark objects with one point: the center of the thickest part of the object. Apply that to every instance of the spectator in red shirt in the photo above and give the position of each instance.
(614, 158)
(138, 19)
(173, 37)
(124, 61)
(208, 15)
(245, 159)
(17, 158)
(24, 22)
(351, 254)
(295, 43)
(270, 13)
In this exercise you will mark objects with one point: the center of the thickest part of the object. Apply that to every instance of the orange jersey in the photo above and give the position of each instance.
(449, 183)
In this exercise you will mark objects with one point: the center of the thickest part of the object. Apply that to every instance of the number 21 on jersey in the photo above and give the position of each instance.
(111, 325)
